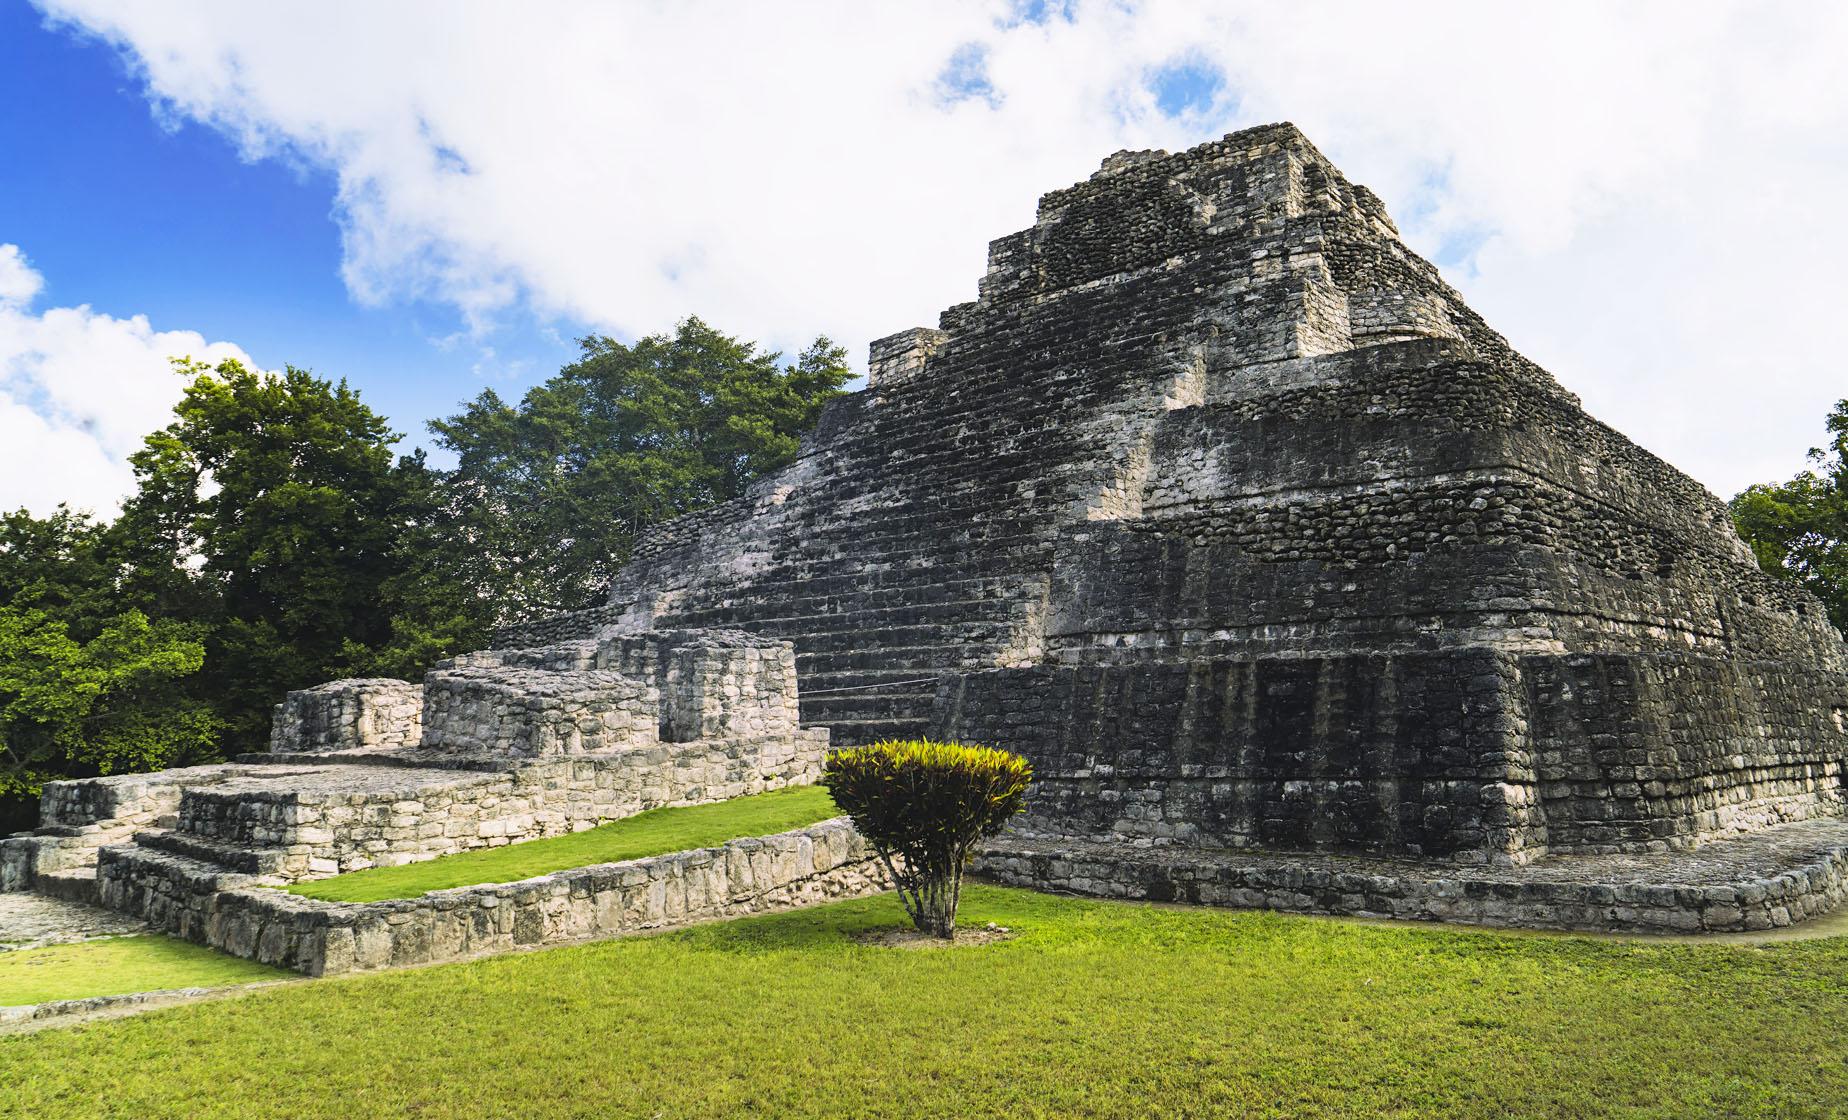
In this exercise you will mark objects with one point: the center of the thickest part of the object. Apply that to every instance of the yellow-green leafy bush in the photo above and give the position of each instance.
(924, 806)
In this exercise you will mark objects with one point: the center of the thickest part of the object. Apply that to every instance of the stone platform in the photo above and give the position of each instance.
(202, 902)
(31, 921)
(1767, 880)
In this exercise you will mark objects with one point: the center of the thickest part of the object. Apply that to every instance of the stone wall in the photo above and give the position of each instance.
(531, 713)
(189, 899)
(1407, 755)
(592, 624)
(1649, 753)
(1471, 756)
(371, 713)
(1765, 882)
(307, 823)
(714, 683)
(693, 684)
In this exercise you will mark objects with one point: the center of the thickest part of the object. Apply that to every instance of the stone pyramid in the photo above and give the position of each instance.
(1223, 507)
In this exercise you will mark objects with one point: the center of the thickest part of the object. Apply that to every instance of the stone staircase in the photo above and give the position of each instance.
(81, 817)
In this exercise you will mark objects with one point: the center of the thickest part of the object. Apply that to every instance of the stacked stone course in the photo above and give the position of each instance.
(221, 909)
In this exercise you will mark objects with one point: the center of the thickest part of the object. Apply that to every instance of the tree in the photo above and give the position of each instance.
(62, 565)
(1798, 530)
(109, 704)
(548, 497)
(924, 806)
(273, 511)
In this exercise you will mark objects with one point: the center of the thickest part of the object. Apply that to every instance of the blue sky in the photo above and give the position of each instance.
(134, 214)
(431, 198)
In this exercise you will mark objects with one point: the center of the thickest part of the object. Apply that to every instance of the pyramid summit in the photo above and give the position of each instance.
(1299, 587)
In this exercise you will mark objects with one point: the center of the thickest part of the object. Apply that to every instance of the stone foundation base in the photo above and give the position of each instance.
(202, 903)
(1767, 880)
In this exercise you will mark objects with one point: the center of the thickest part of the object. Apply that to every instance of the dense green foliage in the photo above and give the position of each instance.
(1093, 1009)
(548, 497)
(924, 806)
(117, 965)
(101, 706)
(651, 833)
(276, 540)
(274, 506)
(1799, 529)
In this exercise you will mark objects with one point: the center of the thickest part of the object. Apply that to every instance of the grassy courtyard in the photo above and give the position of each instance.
(117, 965)
(645, 834)
(1095, 1009)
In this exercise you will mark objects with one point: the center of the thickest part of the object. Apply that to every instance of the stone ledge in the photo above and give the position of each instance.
(21, 1018)
(1769, 880)
(808, 865)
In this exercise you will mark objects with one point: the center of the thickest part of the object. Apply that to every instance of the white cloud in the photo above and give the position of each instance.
(1651, 189)
(19, 281)
(78, 390)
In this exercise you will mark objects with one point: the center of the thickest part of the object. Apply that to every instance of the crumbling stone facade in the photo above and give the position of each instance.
(497, 747)
(1220, 505)
(363, 714)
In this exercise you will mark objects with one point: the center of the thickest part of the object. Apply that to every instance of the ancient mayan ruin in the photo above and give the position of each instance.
(1299, 587)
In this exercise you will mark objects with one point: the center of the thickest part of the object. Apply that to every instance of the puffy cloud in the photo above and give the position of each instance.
(78, 390)
(1641, 196)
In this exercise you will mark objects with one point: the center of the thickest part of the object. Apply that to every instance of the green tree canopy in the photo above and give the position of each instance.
(1799, 529)
(63, 565)
(96, 707)
(274, 508)
(548, 496)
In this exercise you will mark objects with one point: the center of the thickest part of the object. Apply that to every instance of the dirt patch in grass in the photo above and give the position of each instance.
(985, 934)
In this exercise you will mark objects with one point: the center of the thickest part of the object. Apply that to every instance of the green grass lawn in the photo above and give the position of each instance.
(1096, 1009)
(645, 834)
(117, 965)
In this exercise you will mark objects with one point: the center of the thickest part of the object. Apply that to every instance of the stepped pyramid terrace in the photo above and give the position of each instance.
(1299, 587)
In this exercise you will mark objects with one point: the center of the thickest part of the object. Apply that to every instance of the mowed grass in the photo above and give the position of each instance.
(645, 834)
(1095, 1009)
(118, 965)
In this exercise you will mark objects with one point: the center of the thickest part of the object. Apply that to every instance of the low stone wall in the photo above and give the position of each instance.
(1767, 881)
(189, 899)
(364, 713)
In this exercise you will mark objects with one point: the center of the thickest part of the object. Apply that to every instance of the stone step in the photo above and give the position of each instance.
(966, 613)
(73, 884)
(885, 663)
(875, 704)
(854, 732)
(249, 861)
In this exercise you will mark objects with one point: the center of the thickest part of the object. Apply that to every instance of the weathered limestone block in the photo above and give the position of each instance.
(899, 357)
(535, 713)
(370, 713)
(714, 684)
